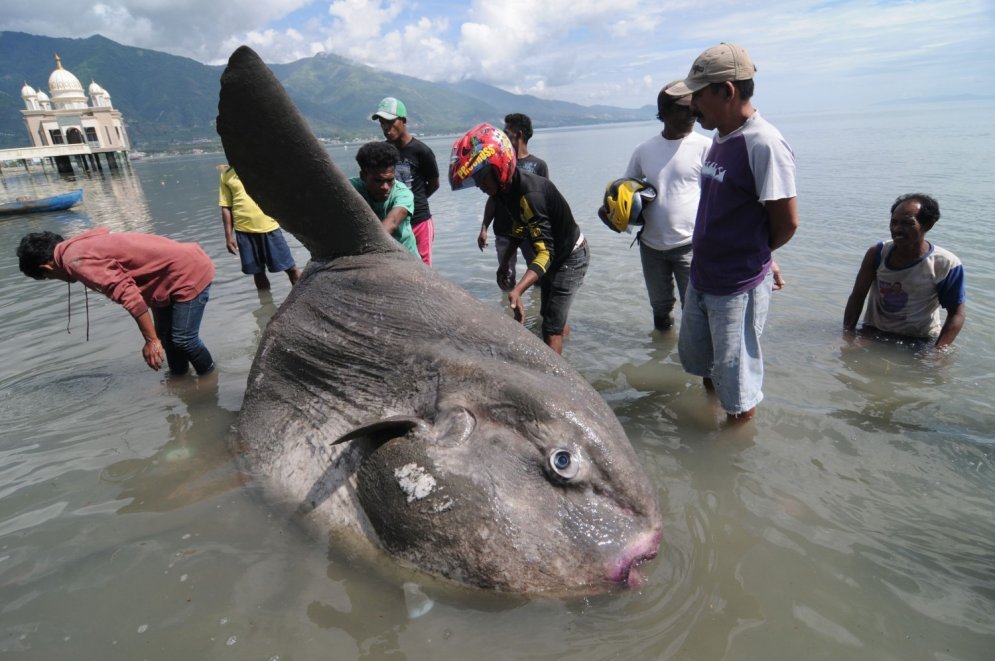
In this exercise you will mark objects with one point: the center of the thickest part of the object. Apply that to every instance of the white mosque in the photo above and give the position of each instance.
(66, 117)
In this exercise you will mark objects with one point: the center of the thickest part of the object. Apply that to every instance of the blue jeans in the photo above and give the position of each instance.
(178, 328)
(720, 340)
(660, 269)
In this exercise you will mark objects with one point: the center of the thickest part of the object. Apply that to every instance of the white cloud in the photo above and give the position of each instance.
(587, 51)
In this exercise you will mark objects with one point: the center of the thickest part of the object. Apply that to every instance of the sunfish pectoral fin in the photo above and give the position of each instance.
(369, 437)
(381, 431)
(288, 173)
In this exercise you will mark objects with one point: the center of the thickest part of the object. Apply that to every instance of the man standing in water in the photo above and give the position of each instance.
(747, 210)
(671, 161)
(909, 279)
(417, 169)
(518, 128)
(484, 158)
(162, 283)
(252, 235)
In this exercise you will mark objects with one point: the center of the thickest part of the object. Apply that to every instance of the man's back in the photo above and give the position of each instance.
(541, 214)
(246, 214)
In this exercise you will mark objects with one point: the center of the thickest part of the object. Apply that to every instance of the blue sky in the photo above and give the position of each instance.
(810, 55)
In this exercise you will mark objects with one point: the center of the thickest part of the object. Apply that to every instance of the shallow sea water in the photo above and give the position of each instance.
(853, 519)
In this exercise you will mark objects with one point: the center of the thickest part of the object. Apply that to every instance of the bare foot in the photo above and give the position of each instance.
(740, 418)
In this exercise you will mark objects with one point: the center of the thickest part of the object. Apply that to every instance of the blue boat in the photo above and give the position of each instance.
(33, 205)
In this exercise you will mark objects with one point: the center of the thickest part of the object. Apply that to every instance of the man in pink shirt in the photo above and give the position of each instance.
(162, 283)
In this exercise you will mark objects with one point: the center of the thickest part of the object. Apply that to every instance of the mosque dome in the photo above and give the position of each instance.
(28, 92)
(42, 96)
(95, 89)
(65, 88)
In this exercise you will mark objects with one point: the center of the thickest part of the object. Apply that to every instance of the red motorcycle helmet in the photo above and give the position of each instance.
(480, 147)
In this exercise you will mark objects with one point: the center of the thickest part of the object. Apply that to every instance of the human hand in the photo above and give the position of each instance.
(516, 305)
(482, 239)
(232, 246)
(853, 341)
(153, 353)
(778, 278)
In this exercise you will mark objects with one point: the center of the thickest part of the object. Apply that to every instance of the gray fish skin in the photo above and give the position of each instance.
(396, 414)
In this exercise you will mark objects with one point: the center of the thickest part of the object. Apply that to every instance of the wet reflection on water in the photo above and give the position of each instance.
(195, 464)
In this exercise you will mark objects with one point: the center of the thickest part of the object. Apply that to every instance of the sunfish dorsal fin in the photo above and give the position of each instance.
(286, 170)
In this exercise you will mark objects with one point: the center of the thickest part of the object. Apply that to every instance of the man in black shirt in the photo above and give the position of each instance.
(417, 168)
(539, 214)
(518, 128)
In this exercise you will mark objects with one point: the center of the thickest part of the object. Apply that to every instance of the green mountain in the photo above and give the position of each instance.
(169, 101)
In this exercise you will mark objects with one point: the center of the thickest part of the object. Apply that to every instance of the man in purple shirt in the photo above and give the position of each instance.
(747, 210)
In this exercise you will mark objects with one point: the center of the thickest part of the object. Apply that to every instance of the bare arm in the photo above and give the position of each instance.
(952, 325)
(394, 218)
(226, 220)
(783, 220)
(152, 351)
(489, 209)
(779, 281)
(862, 285)
(515, 295)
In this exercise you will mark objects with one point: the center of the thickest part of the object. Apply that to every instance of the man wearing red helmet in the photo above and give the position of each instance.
(485, 158)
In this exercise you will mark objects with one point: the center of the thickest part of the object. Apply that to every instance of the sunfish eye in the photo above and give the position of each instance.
(564, 464)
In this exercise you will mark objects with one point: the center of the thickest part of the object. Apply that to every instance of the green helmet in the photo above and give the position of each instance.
(624, 200)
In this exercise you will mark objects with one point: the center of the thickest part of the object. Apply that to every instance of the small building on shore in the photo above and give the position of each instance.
(69, 124)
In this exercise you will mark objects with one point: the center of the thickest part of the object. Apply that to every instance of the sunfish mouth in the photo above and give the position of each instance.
(625, 569)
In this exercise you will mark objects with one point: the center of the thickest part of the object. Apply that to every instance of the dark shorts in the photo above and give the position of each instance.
(558, 289)
(268, 250)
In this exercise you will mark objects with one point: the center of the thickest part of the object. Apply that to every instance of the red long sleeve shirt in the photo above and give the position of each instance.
(137, 271)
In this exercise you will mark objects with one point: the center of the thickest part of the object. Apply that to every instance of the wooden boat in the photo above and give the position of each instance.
(35, 204)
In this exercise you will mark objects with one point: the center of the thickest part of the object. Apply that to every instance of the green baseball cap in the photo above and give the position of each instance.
(390, 109)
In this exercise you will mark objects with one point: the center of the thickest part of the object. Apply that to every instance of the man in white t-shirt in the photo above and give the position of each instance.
(671, 161)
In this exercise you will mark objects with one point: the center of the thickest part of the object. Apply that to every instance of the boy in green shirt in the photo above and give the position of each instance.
(391, 200)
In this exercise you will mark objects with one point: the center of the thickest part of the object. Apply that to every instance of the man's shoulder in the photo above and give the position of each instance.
(416, 145)
(529, 180)
(698, 140)
(537, 186)
(358, 184)
(89, 235)
(759, 130)
(945, 258)
(651, 142)
(533, 164)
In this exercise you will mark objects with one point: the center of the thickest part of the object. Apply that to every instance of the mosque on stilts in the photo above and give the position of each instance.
(66, 128)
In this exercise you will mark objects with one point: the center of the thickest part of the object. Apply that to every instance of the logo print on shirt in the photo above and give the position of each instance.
(403, 172)
(714, 171)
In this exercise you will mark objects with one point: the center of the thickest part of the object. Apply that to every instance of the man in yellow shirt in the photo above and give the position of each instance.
(252, 235)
